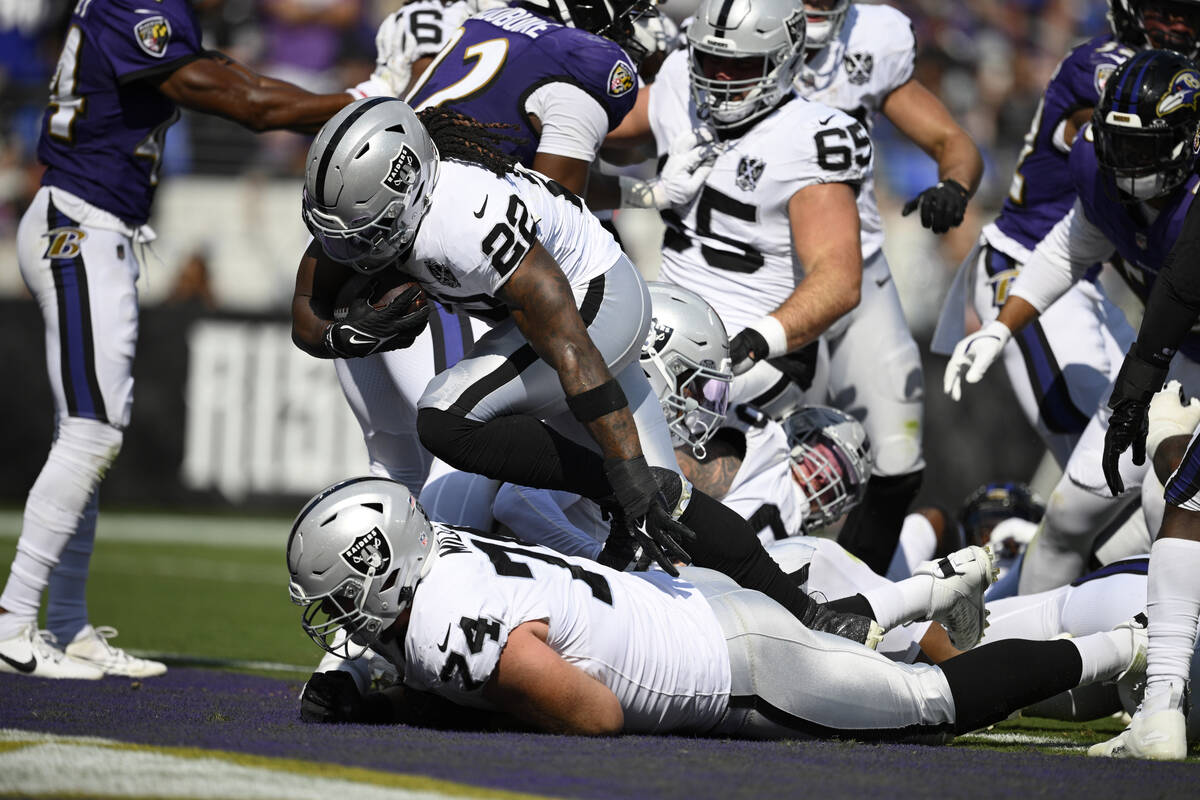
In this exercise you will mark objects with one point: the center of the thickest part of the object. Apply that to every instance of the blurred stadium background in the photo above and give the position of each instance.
(230, 416)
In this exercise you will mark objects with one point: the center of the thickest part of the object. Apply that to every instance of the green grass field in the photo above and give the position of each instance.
(207, 587)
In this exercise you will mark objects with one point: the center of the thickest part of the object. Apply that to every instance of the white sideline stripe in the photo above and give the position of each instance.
(184, 660)
(84, 766)
(1007, 737)
(200, 530)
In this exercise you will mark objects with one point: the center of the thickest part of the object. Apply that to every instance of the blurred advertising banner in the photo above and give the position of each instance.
(227, 412)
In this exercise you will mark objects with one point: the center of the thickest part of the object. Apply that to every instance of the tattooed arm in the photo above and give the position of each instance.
(715, 473)
(540, 300)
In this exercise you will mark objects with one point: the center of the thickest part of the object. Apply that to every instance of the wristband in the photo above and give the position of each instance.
(771, 329)
(371, 87)
(597, 401)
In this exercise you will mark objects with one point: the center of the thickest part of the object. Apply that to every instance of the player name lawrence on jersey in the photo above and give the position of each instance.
(732, 244)
(481, 226)
(652, 640)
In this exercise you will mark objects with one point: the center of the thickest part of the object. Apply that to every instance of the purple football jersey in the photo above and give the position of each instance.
(1143, 246)
(503, 55)
(1041, 189)
(103, 129)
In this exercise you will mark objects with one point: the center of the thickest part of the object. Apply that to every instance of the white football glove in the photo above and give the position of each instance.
(688, 164)
(973, 355)
(1171, 414)
(393, 55)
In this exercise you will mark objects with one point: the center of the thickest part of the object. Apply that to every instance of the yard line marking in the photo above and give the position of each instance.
(37, 764)
(201, 530)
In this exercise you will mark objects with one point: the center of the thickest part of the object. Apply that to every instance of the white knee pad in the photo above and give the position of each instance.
(82, 452)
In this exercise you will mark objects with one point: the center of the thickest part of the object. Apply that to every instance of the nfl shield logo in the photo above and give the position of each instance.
(369, 553)
(620, 79)
(153, 34)
(749, 170)
(858, 67)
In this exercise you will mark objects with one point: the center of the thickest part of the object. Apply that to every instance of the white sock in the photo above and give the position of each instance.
(1173, 606)
(66, 602)
(918, 541)
(904, 601)
(1105, 655)
(82, 451)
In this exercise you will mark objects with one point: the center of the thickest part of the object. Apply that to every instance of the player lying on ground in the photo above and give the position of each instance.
(566, 645)
(556, 379)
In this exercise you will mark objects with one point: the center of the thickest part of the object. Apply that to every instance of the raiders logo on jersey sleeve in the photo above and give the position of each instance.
(859, 67)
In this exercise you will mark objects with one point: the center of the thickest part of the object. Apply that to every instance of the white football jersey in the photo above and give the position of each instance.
(480, 226)
(872, 55)
(732, 244)
(650, 638)
(426, 25)
(763, 490)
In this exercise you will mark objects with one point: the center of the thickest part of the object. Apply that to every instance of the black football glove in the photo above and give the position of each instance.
(1132, 391)
(746, 348)
(644, 511)
(942, 206)
(392, 327)
(800, 366)
(331, 697)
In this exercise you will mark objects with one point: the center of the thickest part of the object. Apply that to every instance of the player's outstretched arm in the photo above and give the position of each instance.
(922, 118)
(534, 684)
(219, 85)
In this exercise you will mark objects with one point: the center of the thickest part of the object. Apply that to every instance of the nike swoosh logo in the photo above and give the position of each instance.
(21, 666)
(882, 281)
(826, 120)
(479, 213)
(441, 646)
(356, 339)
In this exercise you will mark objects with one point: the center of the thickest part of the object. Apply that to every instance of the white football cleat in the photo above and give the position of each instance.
(29, 653)
(91, 645)
(956, 602)
(1157, 731)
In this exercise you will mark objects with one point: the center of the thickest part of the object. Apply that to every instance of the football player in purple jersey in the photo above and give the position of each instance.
(125, 69)
(556, 72)
(1060, 366)
(1134, 172)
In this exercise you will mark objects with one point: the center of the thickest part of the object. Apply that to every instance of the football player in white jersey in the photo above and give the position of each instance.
(860, 60)
(566, 645)
(557, 378)
(773, 239)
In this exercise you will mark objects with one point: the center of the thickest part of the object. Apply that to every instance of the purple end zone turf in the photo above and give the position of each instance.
(243, 713)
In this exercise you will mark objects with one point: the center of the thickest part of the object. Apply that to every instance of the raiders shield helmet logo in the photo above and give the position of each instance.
(369, 554)
(749, 170)
(858, 67)
(442, 274)
(403, 172)
(153, 34)
(620, 79)
(656, 337)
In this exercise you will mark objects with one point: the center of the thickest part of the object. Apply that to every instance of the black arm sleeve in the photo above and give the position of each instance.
(1174, 302)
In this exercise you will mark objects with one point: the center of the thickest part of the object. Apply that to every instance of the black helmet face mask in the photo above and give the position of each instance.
(1146, 128)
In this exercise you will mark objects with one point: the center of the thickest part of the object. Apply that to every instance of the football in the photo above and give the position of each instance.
(362, 294)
